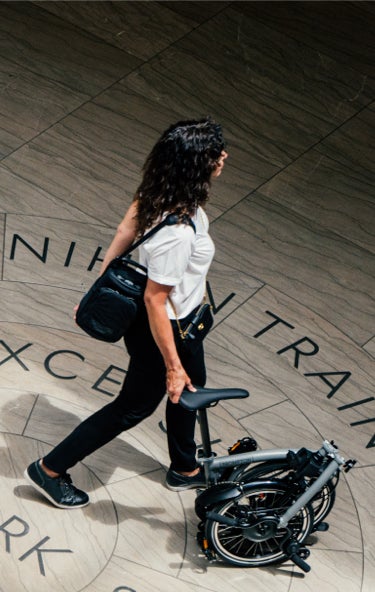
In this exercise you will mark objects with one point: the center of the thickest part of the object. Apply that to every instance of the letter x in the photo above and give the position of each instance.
(14, 354)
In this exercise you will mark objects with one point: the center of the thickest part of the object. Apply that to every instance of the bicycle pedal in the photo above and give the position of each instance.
(246, 444)
(204, 545)
(321, 527)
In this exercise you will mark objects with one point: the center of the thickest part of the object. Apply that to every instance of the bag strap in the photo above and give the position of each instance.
(169, 220)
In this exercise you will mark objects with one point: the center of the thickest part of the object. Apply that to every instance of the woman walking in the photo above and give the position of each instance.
(176, 179)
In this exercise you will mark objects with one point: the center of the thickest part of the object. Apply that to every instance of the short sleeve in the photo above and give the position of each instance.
(168, 253)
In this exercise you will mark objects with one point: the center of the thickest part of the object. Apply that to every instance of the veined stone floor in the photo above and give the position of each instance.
(86, 89)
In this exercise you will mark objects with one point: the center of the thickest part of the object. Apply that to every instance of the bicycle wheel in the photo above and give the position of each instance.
(258, 540)
(323, 501)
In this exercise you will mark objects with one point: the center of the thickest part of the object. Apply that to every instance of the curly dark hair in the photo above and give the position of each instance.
(177, 172)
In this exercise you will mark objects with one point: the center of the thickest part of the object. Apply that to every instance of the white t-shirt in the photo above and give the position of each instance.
(177, 256)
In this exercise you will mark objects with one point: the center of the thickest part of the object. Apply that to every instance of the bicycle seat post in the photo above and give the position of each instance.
(205, 433)
(199, 401)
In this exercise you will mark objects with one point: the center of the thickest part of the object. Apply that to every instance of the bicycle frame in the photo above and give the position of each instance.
(307, 473)
(336, 464)
(214, 465)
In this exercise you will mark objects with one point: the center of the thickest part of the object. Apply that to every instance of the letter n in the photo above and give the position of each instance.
(41, 256)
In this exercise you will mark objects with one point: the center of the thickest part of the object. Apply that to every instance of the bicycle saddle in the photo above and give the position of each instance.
(207, 397)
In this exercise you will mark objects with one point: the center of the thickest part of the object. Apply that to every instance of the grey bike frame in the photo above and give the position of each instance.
(213, 464)
(336, 464)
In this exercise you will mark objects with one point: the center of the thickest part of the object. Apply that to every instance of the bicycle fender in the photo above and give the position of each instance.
(224, 491)
(214, 495)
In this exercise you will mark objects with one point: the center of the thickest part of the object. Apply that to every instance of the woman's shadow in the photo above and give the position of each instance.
(48, 425)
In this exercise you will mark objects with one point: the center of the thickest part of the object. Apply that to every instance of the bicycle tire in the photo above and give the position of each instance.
(236, 545)
(323, 501)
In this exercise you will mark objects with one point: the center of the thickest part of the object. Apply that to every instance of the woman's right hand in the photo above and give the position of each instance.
(177, 381)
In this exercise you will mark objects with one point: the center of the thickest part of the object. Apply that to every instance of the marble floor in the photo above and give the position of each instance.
(86, 89)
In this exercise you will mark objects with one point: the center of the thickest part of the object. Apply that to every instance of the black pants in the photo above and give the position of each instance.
(143, 389)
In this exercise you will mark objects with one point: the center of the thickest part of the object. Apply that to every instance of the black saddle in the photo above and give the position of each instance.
(208, 397)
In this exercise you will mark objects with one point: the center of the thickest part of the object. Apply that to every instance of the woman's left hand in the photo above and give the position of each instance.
(155, 298)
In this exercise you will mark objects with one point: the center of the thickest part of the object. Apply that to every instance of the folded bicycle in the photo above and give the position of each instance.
(259, 506)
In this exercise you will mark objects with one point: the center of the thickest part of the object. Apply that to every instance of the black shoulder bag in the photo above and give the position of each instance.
(110, 306)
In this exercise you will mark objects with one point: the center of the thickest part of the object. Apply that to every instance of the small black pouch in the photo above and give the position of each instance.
(197, 328)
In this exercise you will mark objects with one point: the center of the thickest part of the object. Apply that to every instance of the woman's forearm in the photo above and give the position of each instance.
(124, 237)
(161, 328)
(162, 333)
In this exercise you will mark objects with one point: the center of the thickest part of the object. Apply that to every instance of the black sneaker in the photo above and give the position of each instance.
(177, 482)
(58, 490)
